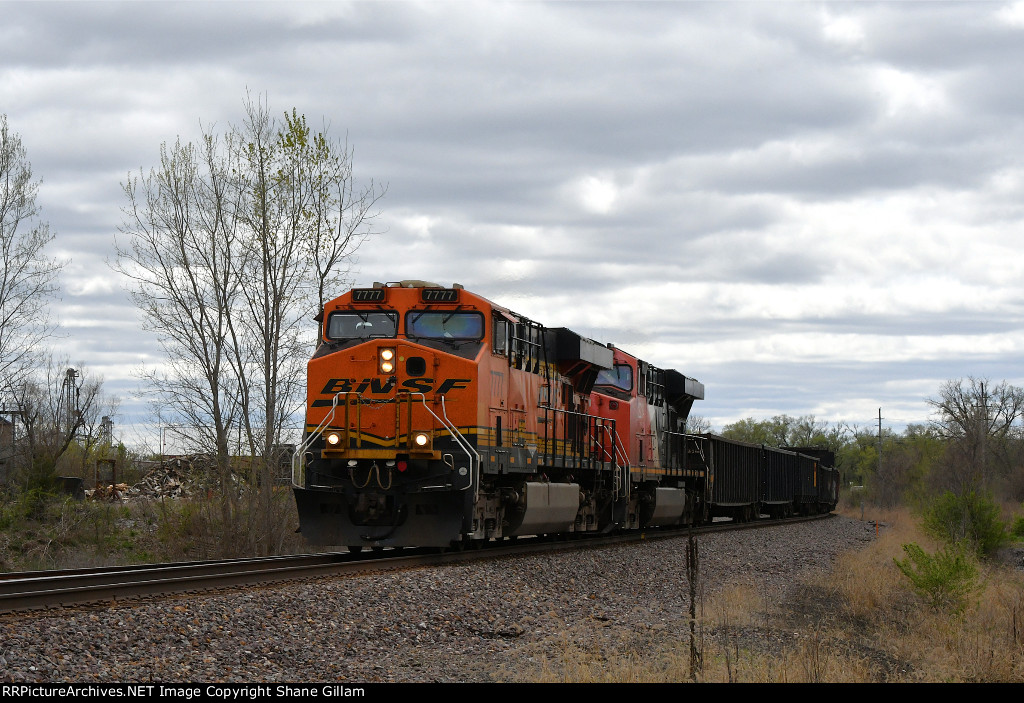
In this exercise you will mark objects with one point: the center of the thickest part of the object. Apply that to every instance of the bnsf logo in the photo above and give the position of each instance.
(378, 385)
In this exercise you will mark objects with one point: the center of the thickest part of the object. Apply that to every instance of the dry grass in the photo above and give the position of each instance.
(66, 533)
(859, 623)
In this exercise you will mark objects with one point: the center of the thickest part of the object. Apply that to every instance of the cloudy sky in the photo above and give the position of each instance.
(811, 207)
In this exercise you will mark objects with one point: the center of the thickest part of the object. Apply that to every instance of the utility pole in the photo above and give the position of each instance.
(879, 441)
(983, 434)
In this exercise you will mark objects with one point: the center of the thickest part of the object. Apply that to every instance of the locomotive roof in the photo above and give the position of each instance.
(680, 384)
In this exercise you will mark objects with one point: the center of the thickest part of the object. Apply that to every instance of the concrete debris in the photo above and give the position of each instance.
(162, 482)
(178, 477)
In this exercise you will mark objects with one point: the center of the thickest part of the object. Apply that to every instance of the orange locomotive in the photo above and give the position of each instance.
(437, 418)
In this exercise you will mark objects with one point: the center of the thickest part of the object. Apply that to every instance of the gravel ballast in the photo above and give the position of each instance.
(478, 622)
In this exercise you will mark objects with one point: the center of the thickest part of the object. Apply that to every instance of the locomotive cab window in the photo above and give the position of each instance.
(361, 325)
(440, 324)
(500, 336)
(621, 377)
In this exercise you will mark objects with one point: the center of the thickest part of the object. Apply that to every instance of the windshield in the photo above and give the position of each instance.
(620, 377)
(444, 325)
(361, 325)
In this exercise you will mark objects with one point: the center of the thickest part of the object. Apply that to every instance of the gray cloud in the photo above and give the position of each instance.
(813, 208)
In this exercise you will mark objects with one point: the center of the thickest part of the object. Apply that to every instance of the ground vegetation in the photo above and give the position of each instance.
(862, 621)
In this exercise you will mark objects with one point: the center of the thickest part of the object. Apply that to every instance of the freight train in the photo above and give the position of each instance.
(437, 418)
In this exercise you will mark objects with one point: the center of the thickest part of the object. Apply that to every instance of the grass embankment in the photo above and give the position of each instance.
(859, 623)
(41, 531)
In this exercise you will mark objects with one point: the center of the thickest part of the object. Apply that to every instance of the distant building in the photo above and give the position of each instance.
(6, 447)
(6, 434)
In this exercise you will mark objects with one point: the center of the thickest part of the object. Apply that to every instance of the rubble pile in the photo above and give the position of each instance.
(174, 477)
(112, 492)
(167, 481)
(162, 483)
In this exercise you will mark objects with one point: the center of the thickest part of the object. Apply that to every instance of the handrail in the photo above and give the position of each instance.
(682, 446)
(470, 451)
(617, 456)
(298, 458)
(699, 442)
(474, 466)
(592, 422)
(620, 451)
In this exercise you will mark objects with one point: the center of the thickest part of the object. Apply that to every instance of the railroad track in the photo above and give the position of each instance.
(40, 590)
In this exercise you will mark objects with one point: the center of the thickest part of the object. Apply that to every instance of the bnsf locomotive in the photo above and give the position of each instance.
(438, 418)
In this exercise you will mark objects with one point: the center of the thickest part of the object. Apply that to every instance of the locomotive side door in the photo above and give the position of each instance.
(497, 398)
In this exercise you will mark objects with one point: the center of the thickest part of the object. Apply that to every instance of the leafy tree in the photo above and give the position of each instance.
(338, 215)
(773, 432)
(859, 456)
(905, 461)
(785, 430)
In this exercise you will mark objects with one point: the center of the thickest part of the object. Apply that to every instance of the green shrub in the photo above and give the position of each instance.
(9, 515)
(945, 579)
(29, 504)
(1017, 531)
(969, 518)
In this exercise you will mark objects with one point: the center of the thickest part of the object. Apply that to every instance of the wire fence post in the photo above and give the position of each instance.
(692, 574)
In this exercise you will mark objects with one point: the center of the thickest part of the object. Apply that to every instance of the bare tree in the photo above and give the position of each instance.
(304, 219)
(982, 422)
(27, 277)
(181, 255)
(55, 404)
(340, 214)
(230, 249)
(697, 424)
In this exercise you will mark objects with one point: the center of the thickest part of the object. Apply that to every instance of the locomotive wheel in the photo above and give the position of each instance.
(355, 549)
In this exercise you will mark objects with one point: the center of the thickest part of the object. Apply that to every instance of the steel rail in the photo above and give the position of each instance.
(39, 590)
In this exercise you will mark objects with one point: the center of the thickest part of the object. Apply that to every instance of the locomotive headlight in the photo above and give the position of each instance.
(421, 440)
(333, 438)
(386, 360)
